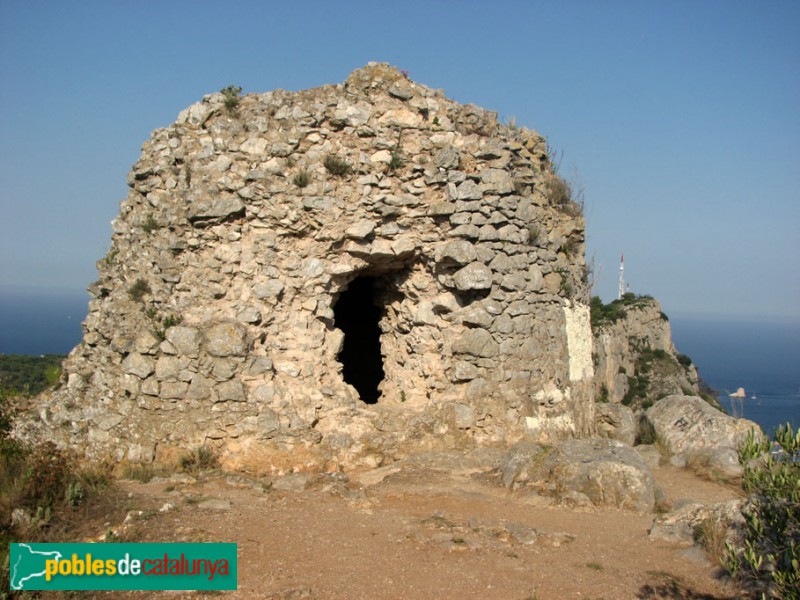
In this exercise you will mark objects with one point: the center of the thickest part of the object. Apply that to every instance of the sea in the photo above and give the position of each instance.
(761, 356)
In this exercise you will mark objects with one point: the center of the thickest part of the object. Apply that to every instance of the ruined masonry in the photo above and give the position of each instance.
(336, 276)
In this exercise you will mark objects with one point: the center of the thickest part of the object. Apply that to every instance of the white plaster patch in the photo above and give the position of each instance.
(579, 342)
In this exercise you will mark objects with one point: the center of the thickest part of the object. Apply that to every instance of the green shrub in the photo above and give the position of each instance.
(602, 314)
(336, 166)
(397, 162)
(768, 560)
(684, 360)
(139, 289)
(231, 97)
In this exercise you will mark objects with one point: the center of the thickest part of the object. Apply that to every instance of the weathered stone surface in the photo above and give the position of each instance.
(699, 434)
(608, 472)
(458, 252)
(476, 342)
(225, 339)
(681, 526)
(475, 276)
(248, 236)
(136, 364)
(616, 422)
(639, 343)
(522, 463)
(204, 209)
(185, 340)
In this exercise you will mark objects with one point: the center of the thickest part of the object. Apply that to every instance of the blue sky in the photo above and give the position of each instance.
(680, 120)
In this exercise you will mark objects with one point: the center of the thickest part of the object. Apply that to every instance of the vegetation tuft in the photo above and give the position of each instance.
(200, 459)
(150, 225)
(397, 161)
(301, 179)
(139, 290)
(232, 97)
(337, 166)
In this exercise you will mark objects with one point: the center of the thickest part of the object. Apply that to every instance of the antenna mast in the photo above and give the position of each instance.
(621, 291)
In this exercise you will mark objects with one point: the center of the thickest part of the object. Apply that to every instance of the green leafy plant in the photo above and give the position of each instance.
(768, 560)
(139, 289)
(336, 166)
(301, 179)
(231, 97)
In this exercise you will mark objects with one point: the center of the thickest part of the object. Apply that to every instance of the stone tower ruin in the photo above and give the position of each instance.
(340, 275)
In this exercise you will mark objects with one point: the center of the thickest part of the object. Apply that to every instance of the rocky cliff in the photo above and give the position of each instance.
(636, 363)
(337, 275)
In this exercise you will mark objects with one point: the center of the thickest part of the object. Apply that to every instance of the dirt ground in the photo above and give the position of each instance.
(422, 529)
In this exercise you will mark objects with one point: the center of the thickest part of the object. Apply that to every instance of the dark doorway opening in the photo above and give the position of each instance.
(358, 316)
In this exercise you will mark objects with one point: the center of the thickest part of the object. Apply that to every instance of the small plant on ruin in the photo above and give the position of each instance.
(139, 289)
(336, 166)
(301, 179)
(569, 247)
(397, 161)
(150, 225)
(231, 97)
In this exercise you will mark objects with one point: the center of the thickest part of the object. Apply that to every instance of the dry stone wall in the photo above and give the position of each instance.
(218, 317)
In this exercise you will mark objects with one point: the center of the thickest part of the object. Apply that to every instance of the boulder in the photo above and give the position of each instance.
(699, 434)
(616, 422)
(694, 522)
(607, 472)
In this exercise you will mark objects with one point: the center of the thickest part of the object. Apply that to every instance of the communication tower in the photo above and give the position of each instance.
(621, 291)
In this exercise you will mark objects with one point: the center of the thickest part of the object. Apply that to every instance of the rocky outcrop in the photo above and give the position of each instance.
(598, 472)
(616, 422)
(695, 523)
(699, 435)
(265, 236)
(635, 360)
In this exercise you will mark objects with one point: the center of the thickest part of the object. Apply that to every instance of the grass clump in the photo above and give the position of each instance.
(139, 290)
(337, 166)
(301, 179)
(197, 460)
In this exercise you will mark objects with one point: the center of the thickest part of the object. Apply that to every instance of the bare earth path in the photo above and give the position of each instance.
(421, 532)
